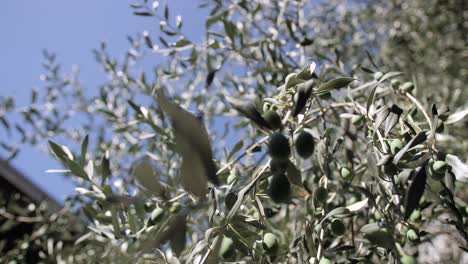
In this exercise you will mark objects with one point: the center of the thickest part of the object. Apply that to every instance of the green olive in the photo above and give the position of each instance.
(321, 195)
(346, 173)
(324, 260)
(390, 169)
(395, 83)
(407, 87)
(270, 243)
(439, 167)
(337, 227)
(412, 235)
(325, 96)
(405, 259)
(156, 215)
(278, 146)
(231, 178)
(395, 146)
(227, 250)
(357, 120)
(273, 119)
(174, 208)
(415, 215)
(378, 75)
(305, 145)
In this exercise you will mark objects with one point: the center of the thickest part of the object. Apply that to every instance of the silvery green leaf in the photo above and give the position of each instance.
(193, 144)
(300, 98)
(418, 139)
(334, 84)
(459, 168)
(357, 206)
(455, 117)
(392, 119)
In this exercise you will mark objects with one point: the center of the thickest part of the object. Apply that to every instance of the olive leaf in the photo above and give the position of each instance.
(193, 144)
(334, 84)
(455, 117)
(418, 139)
(380, 116)
(458, 168)
(415, 190)
(300, 98)
(147, 176)
(358, 205)
(392, 119)
(248, 110)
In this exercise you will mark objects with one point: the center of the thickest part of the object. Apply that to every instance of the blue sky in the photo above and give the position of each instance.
(71, 29)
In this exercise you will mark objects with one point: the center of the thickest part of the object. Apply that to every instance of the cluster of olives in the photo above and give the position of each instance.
(279, 150)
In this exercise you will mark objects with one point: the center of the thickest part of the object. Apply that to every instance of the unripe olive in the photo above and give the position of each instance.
(346, 173)
(337, 227)
(390, 169)
(279, 189)
(273, 119)
(227, 250)
(378, 75)
(412, 235)
(395, 83)
(357, 120)
(231, 178)
(324, 260)
(174, 208)
(405, 259)
(156, 215)
(439, 167)
(321, 194)
(278, 146)
(415, 215)
(395, 146)
(270, 243)
(407, 87)
(325, 96)
(305, 144)
(230, 199)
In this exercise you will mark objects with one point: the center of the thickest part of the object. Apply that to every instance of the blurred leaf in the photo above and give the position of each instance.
(193, 144)
(147, 176)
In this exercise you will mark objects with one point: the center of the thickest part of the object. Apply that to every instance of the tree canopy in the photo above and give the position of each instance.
(293, 132)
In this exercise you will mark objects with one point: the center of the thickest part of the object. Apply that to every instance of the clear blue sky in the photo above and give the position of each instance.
(71, 29)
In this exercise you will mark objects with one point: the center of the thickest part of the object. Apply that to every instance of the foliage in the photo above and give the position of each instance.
(160, 182)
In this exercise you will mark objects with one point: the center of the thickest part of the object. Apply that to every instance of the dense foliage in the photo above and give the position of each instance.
(294, 132)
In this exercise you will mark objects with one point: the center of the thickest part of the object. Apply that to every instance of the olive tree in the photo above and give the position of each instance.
(281, 137)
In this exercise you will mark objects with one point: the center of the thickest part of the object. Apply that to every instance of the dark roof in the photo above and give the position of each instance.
(26, 186)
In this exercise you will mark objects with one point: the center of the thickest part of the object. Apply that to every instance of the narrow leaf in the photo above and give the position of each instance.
(415, 191)
(334, 84)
